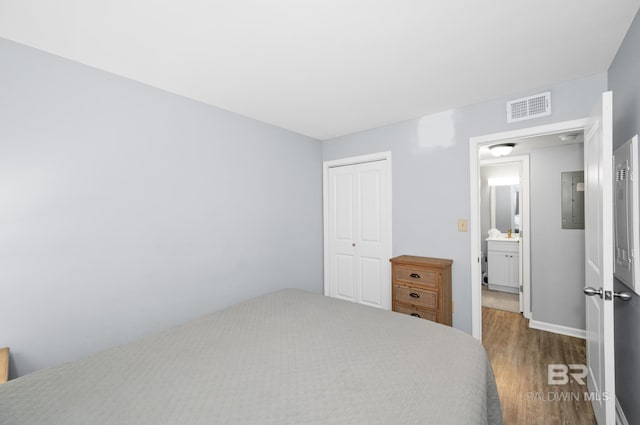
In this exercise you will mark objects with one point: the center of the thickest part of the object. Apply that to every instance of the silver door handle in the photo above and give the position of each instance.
(624, 296)
(591, 292)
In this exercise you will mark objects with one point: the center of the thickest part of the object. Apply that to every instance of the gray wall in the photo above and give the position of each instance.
(126, 209)
(557, 255)
(430, 158)
(624, 81)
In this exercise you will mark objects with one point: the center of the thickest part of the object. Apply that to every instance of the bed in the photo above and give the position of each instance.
(289, 357)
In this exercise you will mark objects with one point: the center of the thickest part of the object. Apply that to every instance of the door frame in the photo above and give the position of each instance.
(524, 266)
(361, 159)
(474, 213)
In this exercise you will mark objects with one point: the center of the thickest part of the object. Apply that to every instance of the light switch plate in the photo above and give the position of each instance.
(462, 225)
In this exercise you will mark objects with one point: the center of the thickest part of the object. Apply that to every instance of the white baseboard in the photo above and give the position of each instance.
(621, 419)
(502, 288)
(558, 329)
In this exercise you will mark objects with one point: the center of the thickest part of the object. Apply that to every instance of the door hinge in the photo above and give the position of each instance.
(607, 296)
(521, 288)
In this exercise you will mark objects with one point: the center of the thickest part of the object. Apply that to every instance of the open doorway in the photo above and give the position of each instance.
(504, 216)
(477, 145)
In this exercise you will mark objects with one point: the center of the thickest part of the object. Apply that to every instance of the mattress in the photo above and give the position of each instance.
(289, 357)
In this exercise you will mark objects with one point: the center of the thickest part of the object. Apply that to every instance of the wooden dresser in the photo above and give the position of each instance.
(422, 287)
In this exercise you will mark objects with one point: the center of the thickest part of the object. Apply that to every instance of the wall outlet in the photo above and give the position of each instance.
(462, 225)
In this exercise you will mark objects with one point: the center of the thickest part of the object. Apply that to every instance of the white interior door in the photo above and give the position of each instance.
(599, 259)
(359, 237)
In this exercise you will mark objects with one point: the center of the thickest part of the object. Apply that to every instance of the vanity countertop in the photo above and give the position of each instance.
(503, 239)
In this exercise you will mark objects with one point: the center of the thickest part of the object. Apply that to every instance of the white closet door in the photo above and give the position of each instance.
(342, 233)
(359, 238)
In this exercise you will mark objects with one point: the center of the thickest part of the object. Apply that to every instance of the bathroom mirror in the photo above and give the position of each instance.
(505, 212)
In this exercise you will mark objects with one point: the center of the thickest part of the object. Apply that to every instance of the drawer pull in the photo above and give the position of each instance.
(414, 295)
(415, 275)
(415, 314)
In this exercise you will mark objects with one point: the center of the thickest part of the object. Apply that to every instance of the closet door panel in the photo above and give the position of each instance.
(360, 237)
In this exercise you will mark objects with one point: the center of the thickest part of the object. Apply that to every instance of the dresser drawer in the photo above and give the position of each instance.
(418, 297)
(409, 274)
(416, 312)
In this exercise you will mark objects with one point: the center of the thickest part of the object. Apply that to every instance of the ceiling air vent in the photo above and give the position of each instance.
(525, 108)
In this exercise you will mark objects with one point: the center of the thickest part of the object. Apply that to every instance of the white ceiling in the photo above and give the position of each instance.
(326, 68)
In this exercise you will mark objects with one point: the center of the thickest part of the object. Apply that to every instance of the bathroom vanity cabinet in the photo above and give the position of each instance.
(503, 264)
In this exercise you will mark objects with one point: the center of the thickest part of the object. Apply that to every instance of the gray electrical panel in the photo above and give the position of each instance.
(626, 226)
(573, 200)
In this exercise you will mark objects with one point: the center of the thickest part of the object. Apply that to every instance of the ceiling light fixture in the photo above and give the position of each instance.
(502, 149)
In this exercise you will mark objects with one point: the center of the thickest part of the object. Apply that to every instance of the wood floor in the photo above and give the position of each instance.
(519, 357)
